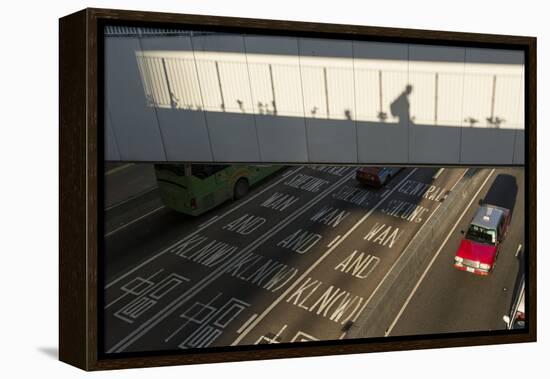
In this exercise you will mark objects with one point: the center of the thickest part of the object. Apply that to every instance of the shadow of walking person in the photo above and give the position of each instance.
(400, 107)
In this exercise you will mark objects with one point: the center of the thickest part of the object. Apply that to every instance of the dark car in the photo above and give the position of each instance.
(376, 176)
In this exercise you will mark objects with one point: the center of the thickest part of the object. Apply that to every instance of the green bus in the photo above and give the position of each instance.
(196, 188)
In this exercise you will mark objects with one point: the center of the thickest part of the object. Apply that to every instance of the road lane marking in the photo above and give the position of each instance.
(207, 223)
(303, 337)
(175, 304)
(133, 197)
(124, 226)
(162, 252)
(290, 172)
(130, 292)
(333, 241)
(436, 175)
(166, 311)
(269, 339)
(399, 258)
(316, 263)
(518, 250)
(243, 326)
(392, 325)
(279, 332)
(187, 318)
(119, 168)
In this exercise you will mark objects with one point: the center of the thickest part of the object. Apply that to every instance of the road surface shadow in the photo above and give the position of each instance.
(503, 192)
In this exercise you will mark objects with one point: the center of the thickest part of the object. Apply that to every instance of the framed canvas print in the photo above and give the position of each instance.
(236, 189)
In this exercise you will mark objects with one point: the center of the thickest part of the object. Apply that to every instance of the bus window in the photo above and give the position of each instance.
(202, 171)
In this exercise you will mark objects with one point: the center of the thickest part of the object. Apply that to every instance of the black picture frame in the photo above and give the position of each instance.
(81, 172)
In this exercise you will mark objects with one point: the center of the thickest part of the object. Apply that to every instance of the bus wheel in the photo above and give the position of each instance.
(241, 188)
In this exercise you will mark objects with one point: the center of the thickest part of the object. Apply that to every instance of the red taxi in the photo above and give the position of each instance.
(479, 248)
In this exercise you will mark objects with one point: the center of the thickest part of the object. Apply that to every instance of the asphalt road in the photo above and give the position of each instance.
(295, 260)
(449, 300)
(126, 181)
(130, 194)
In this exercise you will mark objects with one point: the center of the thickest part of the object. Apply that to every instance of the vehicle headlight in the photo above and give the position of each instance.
(485, 266)
(458, 259)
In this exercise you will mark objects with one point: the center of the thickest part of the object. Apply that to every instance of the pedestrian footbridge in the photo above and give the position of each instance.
(215, 97)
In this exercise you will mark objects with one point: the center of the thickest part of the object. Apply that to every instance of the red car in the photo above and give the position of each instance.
(479, 248)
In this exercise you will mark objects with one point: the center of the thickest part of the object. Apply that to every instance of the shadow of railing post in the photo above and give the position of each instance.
(159, 73)
(220, 85)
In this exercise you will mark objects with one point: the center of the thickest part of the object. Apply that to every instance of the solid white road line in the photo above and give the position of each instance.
(398, 258)
(436, 175)
(247, 322)
(388, 331)
(279, 333)
(130, 198)
(205, 224)
(290, 172)
(316, 263)
(117, 299)
(162, 252)
(175, 304)
(119, 168)
(133, 221)
(333, 241)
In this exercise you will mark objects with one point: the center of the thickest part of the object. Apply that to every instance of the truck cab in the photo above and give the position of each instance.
(478, 249)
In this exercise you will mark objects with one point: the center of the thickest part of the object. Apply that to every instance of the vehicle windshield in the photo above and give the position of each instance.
(483, 235)
(203, 171)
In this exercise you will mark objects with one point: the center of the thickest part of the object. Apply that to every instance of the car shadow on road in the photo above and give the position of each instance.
(503, 192)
